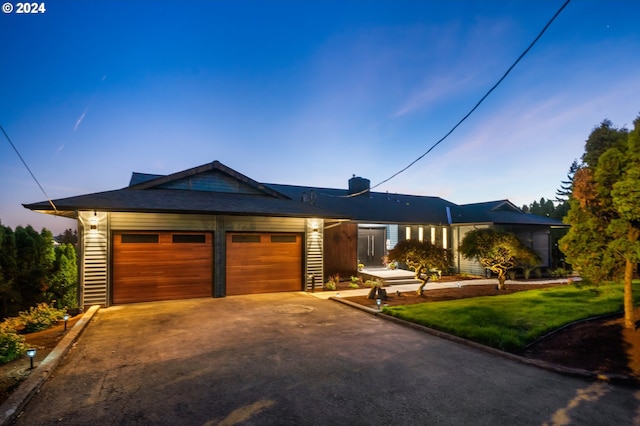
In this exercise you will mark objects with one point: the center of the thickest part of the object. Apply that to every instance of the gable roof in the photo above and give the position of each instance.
(499, 212)
(213, 176)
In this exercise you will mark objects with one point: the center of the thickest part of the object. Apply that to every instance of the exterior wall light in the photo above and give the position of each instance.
(31, 353)
(315, 230)
(93, 223)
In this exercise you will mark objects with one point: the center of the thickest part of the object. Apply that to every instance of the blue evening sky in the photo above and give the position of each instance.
(309, 93)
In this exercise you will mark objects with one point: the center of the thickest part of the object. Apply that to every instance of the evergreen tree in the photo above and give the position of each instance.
(601, 139)
(9, 297)
(566, 186)
(603, 242)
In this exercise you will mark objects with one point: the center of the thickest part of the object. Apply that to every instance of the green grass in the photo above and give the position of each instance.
(512, 321)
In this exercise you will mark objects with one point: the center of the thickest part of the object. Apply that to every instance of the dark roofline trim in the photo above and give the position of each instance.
(73, 214)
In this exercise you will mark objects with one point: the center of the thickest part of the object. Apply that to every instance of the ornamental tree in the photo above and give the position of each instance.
(496, 250)
(421, 256)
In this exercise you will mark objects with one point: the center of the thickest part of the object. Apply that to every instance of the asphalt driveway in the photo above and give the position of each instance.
(291, 358)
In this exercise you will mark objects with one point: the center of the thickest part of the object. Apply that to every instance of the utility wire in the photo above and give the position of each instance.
(478, 103)
(28, 169)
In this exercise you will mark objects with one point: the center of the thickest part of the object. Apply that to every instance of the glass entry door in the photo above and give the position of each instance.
(371, 246)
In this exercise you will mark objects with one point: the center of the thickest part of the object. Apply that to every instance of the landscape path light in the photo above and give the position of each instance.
(65, 318)
(31, 353)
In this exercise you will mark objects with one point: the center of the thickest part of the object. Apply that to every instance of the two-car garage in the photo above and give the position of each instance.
(153, 266)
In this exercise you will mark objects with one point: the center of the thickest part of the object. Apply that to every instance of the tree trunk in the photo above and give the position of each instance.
(629, 319)
(502, 277)
(423, 282)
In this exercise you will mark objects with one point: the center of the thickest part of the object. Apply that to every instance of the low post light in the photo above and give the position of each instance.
(65, 318)
(31, 353)
(379, 303)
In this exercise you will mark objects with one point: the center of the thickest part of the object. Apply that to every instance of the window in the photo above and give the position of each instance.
(189, 238)
(245, 238)
(140, 238)
(283, 238)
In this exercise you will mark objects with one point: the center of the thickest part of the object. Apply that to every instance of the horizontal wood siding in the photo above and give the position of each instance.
(314, 263)
(162, 222)
(162, 270)
(542, 246)
(93, 262)
(264, 224)
(263, 266)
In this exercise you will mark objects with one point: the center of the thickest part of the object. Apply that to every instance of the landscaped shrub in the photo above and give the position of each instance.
(355, 282)
(12, 345)
(40, 317)
(333, 281)
(560, 273)
(373, 283)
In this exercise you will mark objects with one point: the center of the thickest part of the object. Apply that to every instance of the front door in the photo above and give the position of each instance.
(371, 246)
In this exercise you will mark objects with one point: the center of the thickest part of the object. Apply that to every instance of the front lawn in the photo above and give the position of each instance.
(512, 321)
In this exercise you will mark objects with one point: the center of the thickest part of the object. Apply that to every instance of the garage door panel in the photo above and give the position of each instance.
(265, 266)
(161, 271)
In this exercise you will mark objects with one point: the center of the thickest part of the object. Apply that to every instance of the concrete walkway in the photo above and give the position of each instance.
(390, 275)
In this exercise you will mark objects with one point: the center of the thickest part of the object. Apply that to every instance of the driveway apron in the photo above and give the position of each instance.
(290, 358)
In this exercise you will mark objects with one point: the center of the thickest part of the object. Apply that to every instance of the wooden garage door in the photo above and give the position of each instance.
(150, 266)
(263, 263)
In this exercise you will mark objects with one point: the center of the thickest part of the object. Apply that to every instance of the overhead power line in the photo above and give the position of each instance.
(28, 169)
(522, 55)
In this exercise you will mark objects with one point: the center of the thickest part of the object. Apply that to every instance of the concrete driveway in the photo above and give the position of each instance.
(291, 358)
